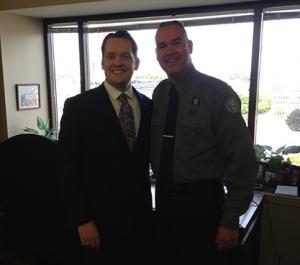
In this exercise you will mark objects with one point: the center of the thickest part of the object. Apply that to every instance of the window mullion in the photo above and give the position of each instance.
(254, 75)
(83, 57)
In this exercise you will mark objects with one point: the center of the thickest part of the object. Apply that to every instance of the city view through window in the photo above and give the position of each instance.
(223, 51)
(67, 68)
(278, 122)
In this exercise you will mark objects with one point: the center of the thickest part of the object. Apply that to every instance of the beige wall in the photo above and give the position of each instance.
(9, 4)
(3, 128)
(23, 61)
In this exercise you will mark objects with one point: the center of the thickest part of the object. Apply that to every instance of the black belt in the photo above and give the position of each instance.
(195, 186)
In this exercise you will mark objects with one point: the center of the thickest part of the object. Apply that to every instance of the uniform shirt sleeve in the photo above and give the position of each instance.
(237, 152)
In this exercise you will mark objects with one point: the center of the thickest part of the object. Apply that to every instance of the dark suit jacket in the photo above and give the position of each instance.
(101, 179)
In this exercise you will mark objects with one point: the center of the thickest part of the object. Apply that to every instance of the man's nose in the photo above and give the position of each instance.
(170, 49)
(118, 60)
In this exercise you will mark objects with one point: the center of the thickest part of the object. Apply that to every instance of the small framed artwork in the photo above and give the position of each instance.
(28, 96)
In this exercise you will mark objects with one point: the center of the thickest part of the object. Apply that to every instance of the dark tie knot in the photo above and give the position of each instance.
(123, 97)
(173, 96)
(173, 92)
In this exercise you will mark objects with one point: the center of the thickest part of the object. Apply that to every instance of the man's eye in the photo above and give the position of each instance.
(161, 46)
(177, 42)
(126, 56)
(109, 56)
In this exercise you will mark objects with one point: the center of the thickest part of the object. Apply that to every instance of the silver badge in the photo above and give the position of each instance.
(232, 105)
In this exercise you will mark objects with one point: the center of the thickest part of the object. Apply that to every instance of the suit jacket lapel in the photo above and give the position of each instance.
(143, 106)
(106, 110)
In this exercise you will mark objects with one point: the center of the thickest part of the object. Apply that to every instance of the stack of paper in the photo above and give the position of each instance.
(287, 190)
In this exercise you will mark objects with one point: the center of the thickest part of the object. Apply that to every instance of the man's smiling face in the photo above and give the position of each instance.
(173, 50)
(119, 63)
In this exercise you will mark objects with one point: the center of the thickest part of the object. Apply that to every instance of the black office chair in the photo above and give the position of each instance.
(35, 229)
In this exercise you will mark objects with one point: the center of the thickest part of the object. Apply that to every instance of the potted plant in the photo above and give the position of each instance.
(275, 159)
(45, 128)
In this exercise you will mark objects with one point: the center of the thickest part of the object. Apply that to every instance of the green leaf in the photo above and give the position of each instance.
(47, 127)
(40, 123)
(49, 133)
(54, 135)
(30, 130)
(280, 149)
(275, 162)
(268, 147)
(260, 152)
(293, 149)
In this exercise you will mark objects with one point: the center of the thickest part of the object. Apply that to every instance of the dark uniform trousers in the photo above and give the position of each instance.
(187, 214)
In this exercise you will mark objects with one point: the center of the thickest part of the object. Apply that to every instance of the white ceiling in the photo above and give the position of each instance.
(113, 6)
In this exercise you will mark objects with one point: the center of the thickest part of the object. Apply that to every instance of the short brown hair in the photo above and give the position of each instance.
(174, 22)
(123, 34)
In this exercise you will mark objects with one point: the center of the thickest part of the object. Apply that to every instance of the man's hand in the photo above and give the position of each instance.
(89, 235)
(226, 238)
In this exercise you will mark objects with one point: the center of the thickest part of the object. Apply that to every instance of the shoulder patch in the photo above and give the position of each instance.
(232, 105)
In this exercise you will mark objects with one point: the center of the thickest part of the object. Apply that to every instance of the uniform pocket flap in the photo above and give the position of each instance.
(198, 124)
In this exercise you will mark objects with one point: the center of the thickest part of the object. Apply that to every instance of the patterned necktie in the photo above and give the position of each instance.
(127, 120)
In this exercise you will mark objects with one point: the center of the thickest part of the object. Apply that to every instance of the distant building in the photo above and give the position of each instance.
(283, 104)
(145, 86)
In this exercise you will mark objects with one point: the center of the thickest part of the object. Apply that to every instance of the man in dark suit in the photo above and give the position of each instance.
(104, 164)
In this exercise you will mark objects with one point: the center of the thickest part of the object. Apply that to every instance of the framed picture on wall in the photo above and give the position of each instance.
(28, 96)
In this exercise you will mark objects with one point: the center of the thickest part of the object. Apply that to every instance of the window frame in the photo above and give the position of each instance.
(261, 11)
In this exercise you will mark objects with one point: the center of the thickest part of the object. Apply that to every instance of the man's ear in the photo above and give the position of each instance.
(137, 63)
(102, 64)
(190, 44)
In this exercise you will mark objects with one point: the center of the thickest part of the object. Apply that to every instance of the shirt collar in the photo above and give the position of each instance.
(114, 93)
(185, 81)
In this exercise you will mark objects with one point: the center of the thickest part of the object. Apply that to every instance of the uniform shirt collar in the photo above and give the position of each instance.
(114, 93)
(185, 81)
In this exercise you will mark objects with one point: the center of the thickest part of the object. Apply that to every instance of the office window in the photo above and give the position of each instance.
(278, 120)
(95, 70)
(224, 51)
(66, 69)
(221, 50)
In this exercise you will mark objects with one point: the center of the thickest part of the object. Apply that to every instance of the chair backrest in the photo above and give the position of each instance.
(35, 221)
